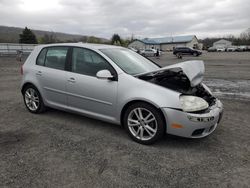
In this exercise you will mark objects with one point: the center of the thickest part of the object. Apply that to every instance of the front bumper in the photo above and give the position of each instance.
(193, 125)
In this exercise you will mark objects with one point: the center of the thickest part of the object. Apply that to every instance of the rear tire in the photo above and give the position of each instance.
(33, 100)
(144, 123)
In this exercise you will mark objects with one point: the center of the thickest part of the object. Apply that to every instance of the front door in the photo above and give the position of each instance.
(87, 93)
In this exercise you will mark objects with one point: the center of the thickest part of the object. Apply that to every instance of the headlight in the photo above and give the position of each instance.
(192, 103)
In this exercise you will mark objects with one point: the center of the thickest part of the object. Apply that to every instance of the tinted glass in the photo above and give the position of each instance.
(88, 62)
(129, 61)
(41, 57)
(56, 57)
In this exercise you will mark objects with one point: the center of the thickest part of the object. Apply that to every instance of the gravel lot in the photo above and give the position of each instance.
(59, 149)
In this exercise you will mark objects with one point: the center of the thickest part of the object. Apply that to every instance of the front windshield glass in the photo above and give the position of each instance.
(129, 61)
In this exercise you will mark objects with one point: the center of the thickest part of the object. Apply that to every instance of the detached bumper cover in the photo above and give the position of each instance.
(193, 125)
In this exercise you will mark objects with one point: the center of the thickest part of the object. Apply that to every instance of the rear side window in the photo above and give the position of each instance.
(56, 57)
(41, 57)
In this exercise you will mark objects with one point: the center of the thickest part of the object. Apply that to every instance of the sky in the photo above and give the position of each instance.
(140, 18)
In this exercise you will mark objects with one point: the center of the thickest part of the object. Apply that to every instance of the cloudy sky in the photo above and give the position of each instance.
(142, 18)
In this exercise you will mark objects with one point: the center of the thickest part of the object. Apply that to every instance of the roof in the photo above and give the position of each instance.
(79, 44)
(167, 40)
(222, 41)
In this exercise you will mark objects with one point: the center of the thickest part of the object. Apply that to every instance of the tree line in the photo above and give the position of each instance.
(28, 37)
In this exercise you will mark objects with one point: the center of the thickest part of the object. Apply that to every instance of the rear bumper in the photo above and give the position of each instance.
(193, 125)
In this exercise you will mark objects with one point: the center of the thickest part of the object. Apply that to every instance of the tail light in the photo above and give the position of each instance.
(21, 70)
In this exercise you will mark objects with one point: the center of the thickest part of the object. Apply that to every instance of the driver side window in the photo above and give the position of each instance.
(88, 62)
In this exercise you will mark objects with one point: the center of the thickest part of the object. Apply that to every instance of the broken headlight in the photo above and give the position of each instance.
(192, 103)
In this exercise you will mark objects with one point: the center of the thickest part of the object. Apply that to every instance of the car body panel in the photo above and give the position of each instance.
(174, 116)
(53, 83)
(140, 90)
(194, 70)
(91, 94)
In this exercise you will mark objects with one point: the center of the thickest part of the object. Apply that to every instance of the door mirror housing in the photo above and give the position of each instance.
(104, 74)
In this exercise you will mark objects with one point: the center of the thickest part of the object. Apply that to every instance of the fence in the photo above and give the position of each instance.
(15, 48)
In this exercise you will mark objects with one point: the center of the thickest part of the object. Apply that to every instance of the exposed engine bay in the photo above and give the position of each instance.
(175, 79)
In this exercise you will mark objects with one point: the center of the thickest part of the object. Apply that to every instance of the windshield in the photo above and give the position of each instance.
(129, 61)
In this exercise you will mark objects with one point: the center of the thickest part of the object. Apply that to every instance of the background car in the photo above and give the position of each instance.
(186, 51)
(221, 49)
(231, 49)
(148, 52)
(241, 48)
(133, 49)
(212, 49)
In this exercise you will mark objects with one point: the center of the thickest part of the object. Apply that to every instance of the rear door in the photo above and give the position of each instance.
(87, 93)
(51, 75)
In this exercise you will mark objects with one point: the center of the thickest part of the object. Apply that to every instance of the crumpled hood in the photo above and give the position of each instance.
(194, 70)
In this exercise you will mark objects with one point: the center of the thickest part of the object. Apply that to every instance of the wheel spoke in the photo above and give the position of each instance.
(31, 105)
(148, 116)
(138, 131)
(150, 128)
(28, 102)
(136, 114)
(150, 120)
(140, 113)
(36, 99)
(27, 95)
(132, 122)
(150, 134)
(32, 92)
(141, 133)
(34, 105)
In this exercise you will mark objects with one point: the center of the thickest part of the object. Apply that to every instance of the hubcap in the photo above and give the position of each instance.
(142, 124)
(31, 99)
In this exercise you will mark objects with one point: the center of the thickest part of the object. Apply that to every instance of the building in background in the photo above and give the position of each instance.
(166, 43)
(222, 44)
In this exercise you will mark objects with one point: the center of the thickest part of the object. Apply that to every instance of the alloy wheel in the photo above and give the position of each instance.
(142, 124)
(31, 99)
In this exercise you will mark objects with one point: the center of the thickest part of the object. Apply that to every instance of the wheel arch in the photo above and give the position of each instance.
(27, 84)
(125, 107)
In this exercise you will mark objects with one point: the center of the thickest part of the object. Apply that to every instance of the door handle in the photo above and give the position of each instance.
(39, 73)
(72, 80)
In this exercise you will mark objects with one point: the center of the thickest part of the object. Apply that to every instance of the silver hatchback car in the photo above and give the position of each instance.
(118, 85)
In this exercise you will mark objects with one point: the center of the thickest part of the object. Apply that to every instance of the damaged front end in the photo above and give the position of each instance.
(185, 78)
(199, 111)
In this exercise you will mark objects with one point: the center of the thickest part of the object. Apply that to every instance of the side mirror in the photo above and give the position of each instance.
(104, 74)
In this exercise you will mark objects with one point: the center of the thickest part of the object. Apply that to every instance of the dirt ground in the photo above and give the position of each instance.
(59, 149)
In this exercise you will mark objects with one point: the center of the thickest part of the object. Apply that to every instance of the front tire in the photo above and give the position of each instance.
(33, 100)
(179, 55)
(144, 123)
